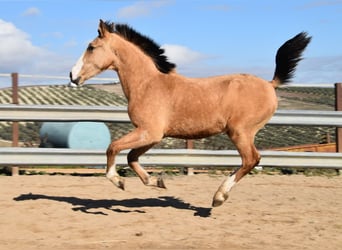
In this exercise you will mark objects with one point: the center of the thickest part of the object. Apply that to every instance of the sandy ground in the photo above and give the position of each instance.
(263, 212)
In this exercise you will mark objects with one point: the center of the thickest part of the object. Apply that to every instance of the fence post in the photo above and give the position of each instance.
(15, 124)
(338, 107)
(190, 145)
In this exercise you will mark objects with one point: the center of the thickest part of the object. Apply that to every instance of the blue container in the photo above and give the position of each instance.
(77, 135)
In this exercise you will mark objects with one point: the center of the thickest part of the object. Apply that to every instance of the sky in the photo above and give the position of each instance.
(204, 38)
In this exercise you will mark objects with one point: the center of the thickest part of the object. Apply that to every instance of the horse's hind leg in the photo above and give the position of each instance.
(133, 157)
(250, 158)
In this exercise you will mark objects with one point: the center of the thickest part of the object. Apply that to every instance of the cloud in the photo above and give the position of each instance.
(54, 35)
(32, 11)
(322, 69)
(16, 48)
(72, 43)
(193, 63)
(141, 8)
(18, 54)
(321, 3)
(182, 55)
(218, 7)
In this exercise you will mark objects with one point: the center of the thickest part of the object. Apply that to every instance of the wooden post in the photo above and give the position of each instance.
(189, 145)
(15, 124)
(338, 107)
(15, 98)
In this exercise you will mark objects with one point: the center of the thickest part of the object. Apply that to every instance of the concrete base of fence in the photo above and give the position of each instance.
(14, 171)
(190, 171)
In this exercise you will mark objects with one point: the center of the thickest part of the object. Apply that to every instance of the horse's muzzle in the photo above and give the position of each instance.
(75, 81)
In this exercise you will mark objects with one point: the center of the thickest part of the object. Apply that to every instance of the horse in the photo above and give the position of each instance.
(163, 103)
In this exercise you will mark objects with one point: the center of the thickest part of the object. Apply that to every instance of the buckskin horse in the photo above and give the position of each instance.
(163, 103)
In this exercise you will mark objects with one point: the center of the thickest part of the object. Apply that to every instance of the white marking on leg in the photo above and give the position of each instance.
(222, 193)
(111, 172)
(229, 183)
(77, 67)
(115, 178)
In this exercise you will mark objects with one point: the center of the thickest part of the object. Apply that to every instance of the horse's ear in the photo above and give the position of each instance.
(103, 30)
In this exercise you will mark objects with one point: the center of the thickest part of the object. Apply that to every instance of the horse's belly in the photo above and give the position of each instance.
(191, 129)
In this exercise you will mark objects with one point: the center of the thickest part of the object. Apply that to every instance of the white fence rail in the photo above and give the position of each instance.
(12, 112)
(167, 157)
(62, 113)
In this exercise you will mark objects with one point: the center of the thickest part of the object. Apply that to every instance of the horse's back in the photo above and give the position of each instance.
(238, 91)
(205, 106)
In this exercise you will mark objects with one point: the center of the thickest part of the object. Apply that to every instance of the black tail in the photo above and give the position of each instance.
(287, 58)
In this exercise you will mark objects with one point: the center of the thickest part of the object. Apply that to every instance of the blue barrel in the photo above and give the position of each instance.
(77, 135)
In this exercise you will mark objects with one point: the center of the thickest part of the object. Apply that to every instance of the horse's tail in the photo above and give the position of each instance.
(287, 58)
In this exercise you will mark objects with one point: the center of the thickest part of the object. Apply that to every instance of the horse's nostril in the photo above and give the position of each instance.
(76, 81)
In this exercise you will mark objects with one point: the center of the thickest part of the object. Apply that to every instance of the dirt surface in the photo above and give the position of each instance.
(263, 212)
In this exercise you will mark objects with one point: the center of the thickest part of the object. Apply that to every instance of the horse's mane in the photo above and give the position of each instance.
(146, 44)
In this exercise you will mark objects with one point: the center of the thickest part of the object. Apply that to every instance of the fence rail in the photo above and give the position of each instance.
(166, 157)
(39, 156)
(62, 113)
(12, 112)
(67, 78)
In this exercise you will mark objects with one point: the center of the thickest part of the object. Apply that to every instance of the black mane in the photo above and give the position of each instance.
(145, 43)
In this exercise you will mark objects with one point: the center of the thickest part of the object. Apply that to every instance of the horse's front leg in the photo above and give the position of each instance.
(111, 172)
(140, 140)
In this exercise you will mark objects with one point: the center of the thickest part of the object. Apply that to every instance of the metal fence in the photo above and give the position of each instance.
(12, 112)
(166, 157)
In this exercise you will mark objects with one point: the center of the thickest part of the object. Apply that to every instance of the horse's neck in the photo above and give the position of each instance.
(135, 70)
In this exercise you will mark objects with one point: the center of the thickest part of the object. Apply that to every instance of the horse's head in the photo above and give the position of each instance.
(96, 58)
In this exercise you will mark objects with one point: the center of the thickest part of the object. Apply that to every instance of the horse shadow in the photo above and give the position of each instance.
(85, 205)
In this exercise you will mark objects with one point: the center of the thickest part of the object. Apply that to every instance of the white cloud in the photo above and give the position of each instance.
(314, 70)
(16, 48)
(72, 43)
(218, 7)
(18, 54)
(32, 11)
(141, 8)
(320, 4)
(182, 55)
(322, 69)
(55, 34)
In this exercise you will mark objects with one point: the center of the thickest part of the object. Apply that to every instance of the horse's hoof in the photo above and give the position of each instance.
(118, 182)
(156, 181)
(121, 184)
(219, 199)
(160, 183)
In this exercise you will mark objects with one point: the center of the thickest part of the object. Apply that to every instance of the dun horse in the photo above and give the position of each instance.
(162, 103)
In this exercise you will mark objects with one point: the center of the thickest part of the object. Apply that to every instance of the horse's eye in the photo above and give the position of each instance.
(90, 48)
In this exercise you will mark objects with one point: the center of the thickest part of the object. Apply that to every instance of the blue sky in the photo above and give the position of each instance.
(203, 38)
